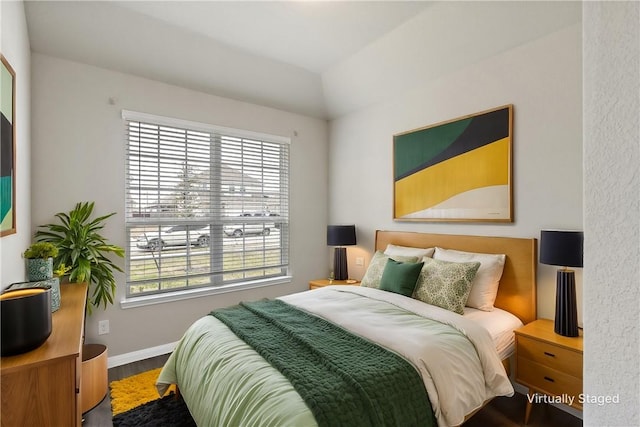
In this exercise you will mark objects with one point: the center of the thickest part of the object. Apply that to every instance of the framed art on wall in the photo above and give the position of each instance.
(457, 170)
(8, 149)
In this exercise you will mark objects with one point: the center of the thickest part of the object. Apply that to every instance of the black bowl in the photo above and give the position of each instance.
(26, 319)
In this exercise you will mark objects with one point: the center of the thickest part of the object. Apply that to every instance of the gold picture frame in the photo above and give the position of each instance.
(457, 170)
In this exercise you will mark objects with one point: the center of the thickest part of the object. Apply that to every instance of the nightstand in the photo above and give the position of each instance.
(549, 364)
(321, 283)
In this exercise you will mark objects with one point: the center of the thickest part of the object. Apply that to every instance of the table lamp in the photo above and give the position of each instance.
(563, 248)
(340, 236)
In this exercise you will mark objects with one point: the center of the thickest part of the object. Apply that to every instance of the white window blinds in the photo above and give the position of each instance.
(205, 205)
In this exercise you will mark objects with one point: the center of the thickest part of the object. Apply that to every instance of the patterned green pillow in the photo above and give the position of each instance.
(376, 267)
(445, 284)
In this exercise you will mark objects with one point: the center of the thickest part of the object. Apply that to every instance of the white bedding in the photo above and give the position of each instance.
(455, 391)
(454, 355)
(500, 324)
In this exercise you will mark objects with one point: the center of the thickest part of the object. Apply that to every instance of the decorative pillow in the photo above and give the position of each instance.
(376, 267)
(394, 250)
(445, 284)
(484, 287)
(400, 277)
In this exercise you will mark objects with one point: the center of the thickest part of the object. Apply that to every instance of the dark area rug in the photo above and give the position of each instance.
(167, 411)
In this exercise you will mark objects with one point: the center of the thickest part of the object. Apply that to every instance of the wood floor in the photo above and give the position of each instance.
(501, 412)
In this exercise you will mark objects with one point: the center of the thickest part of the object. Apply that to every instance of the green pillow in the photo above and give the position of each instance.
(378, 262)
(400, 277)
(446, 284)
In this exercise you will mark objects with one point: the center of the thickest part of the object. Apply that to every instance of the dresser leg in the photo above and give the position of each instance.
(527, 411)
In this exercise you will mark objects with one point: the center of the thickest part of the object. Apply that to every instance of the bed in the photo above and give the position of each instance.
(460, 360)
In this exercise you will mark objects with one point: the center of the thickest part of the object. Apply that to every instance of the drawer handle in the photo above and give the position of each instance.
(549, 379)
(546, 353)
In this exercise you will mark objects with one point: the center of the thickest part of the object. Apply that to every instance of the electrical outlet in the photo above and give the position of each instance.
(103, 327)
(360, 261)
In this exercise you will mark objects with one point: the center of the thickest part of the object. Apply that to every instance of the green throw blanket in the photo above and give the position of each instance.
(344, 379)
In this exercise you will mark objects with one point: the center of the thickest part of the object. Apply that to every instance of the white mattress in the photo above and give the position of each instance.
(500, 324)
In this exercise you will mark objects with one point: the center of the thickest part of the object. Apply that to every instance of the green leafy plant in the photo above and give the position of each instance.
(82, 251)
(61, 270)
(41, 250)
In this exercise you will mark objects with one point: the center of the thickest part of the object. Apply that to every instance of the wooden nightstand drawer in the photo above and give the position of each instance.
(548, 363)
(548, 380)
(558, 358)
(321, 283)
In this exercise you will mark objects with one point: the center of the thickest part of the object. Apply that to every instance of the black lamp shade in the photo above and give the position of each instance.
(341, 235)
(563, 248)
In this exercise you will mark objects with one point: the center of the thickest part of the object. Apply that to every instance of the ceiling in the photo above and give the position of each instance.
(313, 35)
(272, 53)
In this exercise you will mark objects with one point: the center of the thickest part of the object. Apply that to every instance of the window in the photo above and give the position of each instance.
(205, 206)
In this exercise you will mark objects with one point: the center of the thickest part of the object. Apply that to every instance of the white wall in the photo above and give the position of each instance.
(182, 55)
(541, 78)
(445, 37)
(78, 147)
(14, 45)
(612, 211)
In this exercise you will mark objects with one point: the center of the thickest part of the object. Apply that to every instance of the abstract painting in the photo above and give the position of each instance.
(458, 170)
(8, 149)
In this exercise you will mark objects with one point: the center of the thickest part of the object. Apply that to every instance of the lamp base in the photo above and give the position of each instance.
(566, 322)
(340, 264)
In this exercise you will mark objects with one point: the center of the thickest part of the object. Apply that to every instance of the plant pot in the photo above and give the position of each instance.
(94, 381)
(39, 269)
(26, 319)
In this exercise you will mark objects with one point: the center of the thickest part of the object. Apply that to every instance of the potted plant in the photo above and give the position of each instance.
(39, 258)
(83, 256)
(83, 251)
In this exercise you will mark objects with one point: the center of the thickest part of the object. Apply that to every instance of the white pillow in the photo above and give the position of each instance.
(484, 287)
(394, 250)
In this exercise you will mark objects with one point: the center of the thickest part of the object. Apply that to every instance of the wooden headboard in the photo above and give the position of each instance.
(517, 291)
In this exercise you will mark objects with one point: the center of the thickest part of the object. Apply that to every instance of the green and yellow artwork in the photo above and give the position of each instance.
(459, 170)
(7, 150)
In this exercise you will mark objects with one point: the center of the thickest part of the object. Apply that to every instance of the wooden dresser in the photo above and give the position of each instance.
(42, 387)
(549, 363)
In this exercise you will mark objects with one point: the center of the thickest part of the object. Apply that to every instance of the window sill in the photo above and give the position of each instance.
(133, 302)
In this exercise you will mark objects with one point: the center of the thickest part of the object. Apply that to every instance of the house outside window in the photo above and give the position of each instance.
(206, 206)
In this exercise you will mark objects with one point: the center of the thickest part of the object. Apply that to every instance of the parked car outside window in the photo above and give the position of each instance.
(174, 236)
(251, 228)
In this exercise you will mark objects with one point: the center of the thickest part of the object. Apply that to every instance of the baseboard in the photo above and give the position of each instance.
(519, 388)
(135, 356)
